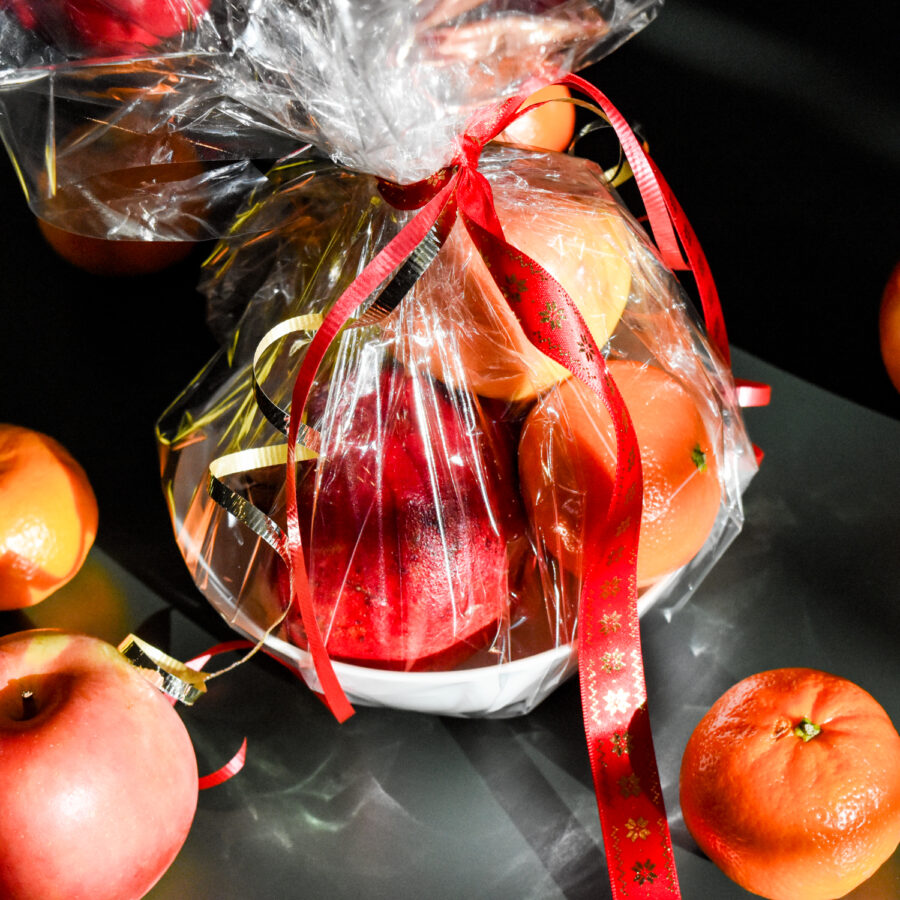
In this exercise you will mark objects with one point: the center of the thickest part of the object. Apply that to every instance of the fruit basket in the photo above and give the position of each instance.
(464, 425)
(444, 511)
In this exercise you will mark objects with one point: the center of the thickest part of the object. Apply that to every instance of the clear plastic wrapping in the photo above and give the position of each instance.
(443, 516)
(89, 87)
(443, 508)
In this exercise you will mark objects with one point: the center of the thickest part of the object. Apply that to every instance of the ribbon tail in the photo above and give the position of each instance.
(706, 285)
(620, 749)
(226, 772)
(652, 195)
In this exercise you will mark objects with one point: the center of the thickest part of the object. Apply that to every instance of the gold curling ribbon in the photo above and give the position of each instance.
(262, 457)
(167, 673)
(163, 671)
(618, 174)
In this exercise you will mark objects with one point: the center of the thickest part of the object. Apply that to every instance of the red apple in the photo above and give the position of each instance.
(107, 27)
(98, 775)
(411, 518)
(889, 326)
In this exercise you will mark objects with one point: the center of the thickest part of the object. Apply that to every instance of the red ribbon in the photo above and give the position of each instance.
(226, 772)
(617, 727)
(239, 759)
(236, 763)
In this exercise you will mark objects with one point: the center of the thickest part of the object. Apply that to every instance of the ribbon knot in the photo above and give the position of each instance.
(468, 151)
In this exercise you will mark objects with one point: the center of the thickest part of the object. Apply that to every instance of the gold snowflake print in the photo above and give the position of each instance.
(615, 555)
(610, 587)
(610, 622)
(636, 829)
(612, 661)
(513, 288)
(644, 872)
(629, 785)
(586, 347)
(550, 315)
(621, 741)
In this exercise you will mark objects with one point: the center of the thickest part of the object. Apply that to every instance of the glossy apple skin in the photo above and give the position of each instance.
(99, 784)
(107, 27)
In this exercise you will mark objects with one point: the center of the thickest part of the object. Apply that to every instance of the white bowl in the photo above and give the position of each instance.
(508, 689)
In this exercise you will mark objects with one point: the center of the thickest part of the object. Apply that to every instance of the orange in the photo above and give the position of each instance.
(567, 461)
(100, 256)
(791, 785)
(889, 326)
(584, 247)
(549, 126)
(48, 516)
(111, 169)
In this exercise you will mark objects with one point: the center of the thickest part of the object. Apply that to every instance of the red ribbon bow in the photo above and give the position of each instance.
(617, 727)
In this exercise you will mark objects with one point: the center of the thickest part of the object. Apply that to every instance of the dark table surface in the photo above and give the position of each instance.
(786, 161)
(395, 804)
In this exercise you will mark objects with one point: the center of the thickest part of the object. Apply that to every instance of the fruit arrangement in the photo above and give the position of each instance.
(453, 499)
(460, 476)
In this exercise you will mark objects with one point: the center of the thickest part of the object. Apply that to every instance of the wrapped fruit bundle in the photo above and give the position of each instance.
(464, 425)
(448, 502)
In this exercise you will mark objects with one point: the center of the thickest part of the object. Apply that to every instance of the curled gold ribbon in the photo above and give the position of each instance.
(376, 308)
(163, 671)
(241, 461)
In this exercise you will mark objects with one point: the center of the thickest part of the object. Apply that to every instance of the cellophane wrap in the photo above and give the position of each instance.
(148, 121)
(442, 515)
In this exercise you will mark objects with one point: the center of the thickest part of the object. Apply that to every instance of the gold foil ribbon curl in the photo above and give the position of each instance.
(163, 671)
(168, 674)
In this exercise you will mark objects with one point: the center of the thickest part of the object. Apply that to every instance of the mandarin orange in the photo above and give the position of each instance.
(48, 516)
(567, 462)
(791, 784)
(549, 126)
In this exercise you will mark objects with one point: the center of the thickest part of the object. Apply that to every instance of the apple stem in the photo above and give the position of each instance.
(29, 705)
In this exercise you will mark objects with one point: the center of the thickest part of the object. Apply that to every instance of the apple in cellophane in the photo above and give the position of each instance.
(104, 28)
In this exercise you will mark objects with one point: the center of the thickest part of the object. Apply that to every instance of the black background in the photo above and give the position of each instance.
(776, 126)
